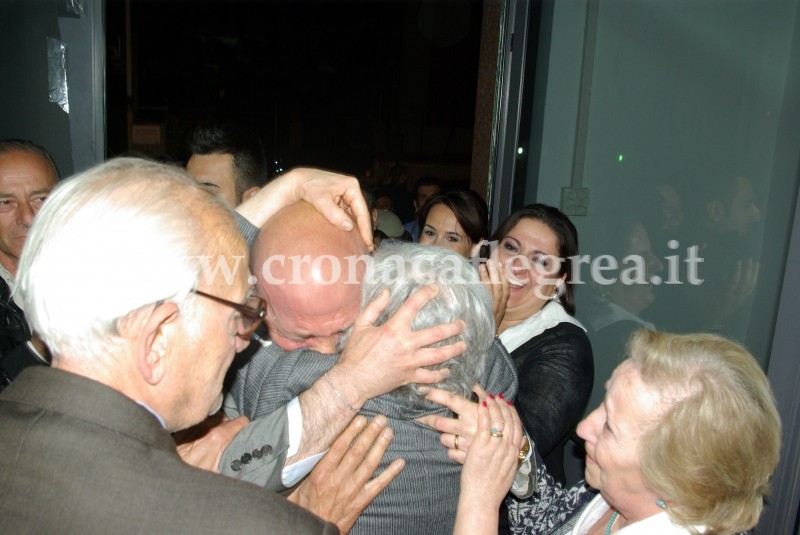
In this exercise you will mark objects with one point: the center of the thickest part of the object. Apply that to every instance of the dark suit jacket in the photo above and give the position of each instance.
(79, 457)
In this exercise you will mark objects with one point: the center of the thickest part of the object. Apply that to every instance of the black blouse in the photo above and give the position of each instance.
(556, 372)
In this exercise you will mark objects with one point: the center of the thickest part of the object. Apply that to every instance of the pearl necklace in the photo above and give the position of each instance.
(611, 522)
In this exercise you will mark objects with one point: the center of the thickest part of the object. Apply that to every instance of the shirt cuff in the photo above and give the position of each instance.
(293, 473)
(295, 416)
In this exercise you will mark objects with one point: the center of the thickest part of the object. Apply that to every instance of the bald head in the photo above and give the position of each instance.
(310, 273)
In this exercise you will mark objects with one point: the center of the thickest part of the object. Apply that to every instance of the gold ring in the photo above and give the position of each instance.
(496, 433)
(455, 442)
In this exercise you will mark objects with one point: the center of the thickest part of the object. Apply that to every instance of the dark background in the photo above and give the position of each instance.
(343, 85)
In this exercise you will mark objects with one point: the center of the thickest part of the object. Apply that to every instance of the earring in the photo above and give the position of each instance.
(557, 291)
(661, 504)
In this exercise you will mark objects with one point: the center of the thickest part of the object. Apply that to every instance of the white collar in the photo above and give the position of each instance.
(7, 276)
(659, 523)
(154, 413)
(551, 314)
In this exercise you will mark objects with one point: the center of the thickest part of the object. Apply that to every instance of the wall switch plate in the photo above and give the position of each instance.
(575, 201)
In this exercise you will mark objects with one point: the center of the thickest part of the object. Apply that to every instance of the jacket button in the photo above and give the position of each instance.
(236, 465)
(266, 450)
(246, 458)
(257, 453)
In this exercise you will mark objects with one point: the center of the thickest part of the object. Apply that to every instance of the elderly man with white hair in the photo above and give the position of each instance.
(114, 277)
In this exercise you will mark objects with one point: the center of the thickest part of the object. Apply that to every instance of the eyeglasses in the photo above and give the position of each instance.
(251, 311)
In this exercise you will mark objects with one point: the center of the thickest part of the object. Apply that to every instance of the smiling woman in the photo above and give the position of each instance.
(457, 220)
(548, 345)
(685, 442)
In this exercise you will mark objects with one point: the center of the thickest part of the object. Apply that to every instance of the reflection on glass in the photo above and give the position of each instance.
(689, 159)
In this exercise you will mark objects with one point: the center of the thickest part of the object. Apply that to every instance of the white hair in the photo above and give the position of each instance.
(404, 268)
(122, 235)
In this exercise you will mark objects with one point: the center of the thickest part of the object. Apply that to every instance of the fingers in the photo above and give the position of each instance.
(454, 402)
(333, 195)
(482, 433)
(432, 335)
(374, 487)
(334, 213)
(373, 310)
(355, 201)
(448, 440)
(493, 275)
(450, 427)
(408, 311)
(342, 443)
(458, 456)
(480, 391)
(496, 420)
(486, 279)
(361, 456)
(513, 426)
(374, 454)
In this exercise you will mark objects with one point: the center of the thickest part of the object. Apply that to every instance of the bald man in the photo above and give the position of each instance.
(280, 447)
(311, 274)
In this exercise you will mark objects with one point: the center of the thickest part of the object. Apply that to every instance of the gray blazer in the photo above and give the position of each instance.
(79, 457)
(423, 498)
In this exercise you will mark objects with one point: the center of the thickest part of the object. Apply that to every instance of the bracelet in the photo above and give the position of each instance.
(339, 394)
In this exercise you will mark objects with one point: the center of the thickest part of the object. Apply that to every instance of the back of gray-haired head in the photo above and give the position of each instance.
(404, 268)
(109, 241)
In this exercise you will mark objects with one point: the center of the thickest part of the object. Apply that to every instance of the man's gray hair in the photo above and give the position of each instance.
(404, 268)
(122, 235)
(24, 145)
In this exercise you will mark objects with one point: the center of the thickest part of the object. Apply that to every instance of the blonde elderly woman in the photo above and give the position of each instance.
(685, 442)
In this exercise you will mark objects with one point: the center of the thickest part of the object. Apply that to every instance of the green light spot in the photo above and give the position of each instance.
(619, 158)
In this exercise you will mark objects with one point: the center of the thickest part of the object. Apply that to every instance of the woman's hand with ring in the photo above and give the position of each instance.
(463, 427)
(490, 466)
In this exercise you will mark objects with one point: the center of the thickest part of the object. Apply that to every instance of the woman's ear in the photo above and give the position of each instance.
(561, 286)
(155, 340)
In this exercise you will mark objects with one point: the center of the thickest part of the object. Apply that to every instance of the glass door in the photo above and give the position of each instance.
(670, 133)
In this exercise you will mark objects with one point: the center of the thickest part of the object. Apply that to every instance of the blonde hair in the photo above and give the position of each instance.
(711, 455)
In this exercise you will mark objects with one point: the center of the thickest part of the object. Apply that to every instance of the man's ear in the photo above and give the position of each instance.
(249, 192)
(154, 341)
